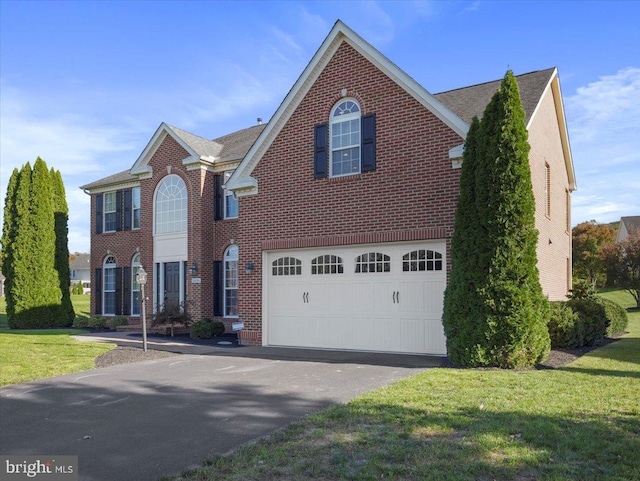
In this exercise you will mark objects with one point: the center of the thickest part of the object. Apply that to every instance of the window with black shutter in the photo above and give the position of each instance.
(127, 209)
(218, 288)
(219, 197)
(99, 214)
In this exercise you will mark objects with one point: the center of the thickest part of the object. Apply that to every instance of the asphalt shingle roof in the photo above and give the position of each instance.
(468, 102)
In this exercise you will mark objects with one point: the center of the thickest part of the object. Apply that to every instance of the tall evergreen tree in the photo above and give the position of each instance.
(495, 312)
(516, 333)
(8, 235)
(35, 286)
(464, 315)
(61, 220)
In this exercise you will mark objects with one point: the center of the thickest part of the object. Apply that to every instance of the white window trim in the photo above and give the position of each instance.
(333, 120)
(230, 255)
(157, 213)
(134, 209)
(105, 212)
(135, 287)
(227, 194)
(109, 264)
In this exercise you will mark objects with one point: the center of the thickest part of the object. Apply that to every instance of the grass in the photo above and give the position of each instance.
(27, 355)
(581, 421)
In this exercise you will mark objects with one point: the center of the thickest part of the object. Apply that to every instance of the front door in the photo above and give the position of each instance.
(172, 283)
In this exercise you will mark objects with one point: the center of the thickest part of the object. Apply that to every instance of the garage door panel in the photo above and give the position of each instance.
(391, 309)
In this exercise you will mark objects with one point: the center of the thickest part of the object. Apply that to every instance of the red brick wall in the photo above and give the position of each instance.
(414, 186)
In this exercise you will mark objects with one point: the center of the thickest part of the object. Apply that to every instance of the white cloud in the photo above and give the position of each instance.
(604, 120)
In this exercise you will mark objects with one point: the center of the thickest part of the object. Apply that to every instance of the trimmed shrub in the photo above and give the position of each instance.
(81, 322)
(97, 322)
(118, 321)
(594, 320)
(616, 316)
(206, 329)
(566, 330)
(582, 289)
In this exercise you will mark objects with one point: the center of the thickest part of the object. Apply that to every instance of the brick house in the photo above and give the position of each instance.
(330, 226)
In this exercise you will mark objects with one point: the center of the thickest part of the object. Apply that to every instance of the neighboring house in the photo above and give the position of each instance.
(330, 226)
(627, 227)
(80, 270)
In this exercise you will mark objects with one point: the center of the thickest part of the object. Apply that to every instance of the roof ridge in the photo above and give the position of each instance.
(493, 81)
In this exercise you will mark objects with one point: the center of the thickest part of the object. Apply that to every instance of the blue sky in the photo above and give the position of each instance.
(84, 85)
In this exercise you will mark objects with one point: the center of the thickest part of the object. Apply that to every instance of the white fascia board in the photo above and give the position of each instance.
(112, 187)
(339, 33)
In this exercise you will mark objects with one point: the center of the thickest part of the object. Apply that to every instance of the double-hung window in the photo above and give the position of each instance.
(135, 207)
(230, 202)
(135, 286)
(345, 139)
(110, 212)
(109, 285)
(231, 282)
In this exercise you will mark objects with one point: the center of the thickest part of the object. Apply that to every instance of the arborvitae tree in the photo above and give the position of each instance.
(464, 315)
(35, 286)
(495, 311)
(8, 235)
(61, 220)
(516, 334)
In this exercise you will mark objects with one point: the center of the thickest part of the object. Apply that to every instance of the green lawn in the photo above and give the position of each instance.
(581, 421)
(27, 355)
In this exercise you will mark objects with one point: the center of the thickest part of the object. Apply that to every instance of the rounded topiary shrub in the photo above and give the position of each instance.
(206, 329)
(118, 321)
(97, 322)
(616, 316)
(594, 320)
(566, 330)
(81, 322)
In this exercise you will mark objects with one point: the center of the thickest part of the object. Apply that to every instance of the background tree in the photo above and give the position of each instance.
(588, 241)
(624, 261)
(8, 235)
(33, 295)
(61, 221)
(511, 328)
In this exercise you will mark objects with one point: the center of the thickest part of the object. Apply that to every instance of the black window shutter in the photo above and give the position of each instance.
(118, 291)
(219, 198)
(127, 209)
(368, 143)
(320, 152)
(126, 290)
(119, 210)
(218, 282)
(99, 214)
(96, 291)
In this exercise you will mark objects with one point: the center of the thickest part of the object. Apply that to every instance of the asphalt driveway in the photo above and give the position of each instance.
(143, 420)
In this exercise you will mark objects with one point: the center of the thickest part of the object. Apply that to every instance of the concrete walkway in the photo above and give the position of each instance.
(143, 420)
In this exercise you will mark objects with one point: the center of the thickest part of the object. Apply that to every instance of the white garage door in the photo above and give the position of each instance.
(380, 297)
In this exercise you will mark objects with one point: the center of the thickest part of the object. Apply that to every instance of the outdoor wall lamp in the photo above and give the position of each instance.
(248, 269)
(193, 268)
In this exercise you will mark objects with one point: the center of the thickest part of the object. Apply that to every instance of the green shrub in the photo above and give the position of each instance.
(616, 316)
(118, 321)
(206, 329)
(97, 322)
(565, 326)
(582, 289)
(81, 322)
(594, 320)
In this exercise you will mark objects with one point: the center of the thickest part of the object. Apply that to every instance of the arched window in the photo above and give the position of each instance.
(327, 264)
(422, 260)
(109, 286)
(345, 138)
(287, 266)
(171, 206)
(135, 287)
(373, 262)
(231, 282)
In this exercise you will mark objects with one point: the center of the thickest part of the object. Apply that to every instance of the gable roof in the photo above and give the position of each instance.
(628, 225)
(228, 148)
(241, 181)
(469, 102)
(82, 261)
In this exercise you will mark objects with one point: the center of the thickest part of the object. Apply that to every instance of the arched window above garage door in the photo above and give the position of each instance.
(373, 262)
(287, 266)
(327, 264)
(422, 260)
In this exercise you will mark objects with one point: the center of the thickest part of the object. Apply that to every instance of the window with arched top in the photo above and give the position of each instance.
(422, 260)
(373, 262)
(135, 287)
(231, 281)
(170, 206)
(109, 285)
(345, 138)
(286, 266)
